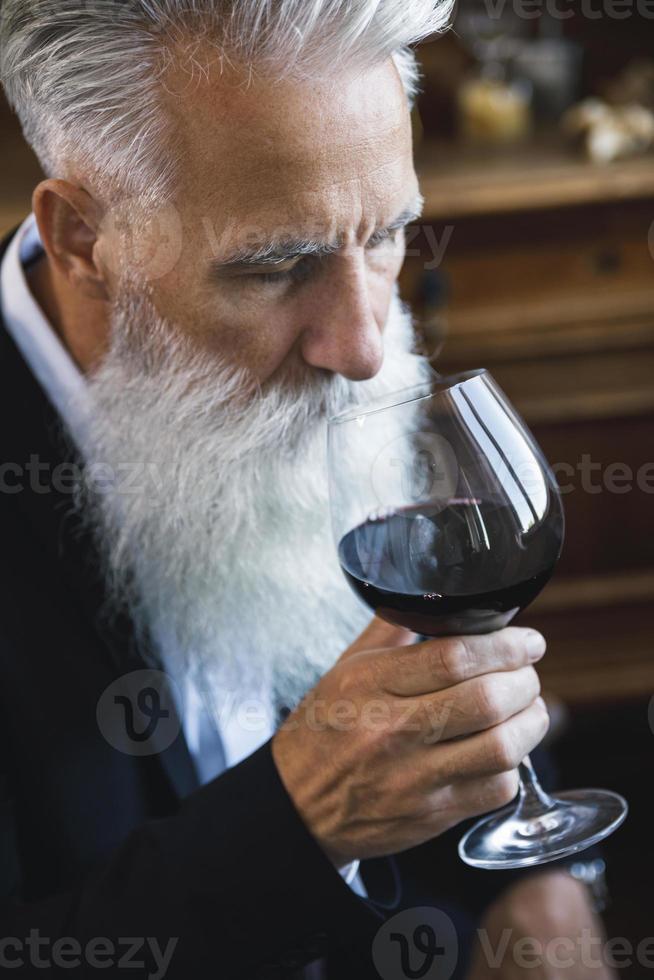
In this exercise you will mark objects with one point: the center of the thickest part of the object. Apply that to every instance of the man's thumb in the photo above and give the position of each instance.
(380, 635)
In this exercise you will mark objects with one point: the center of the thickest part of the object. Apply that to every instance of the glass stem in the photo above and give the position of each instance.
(533, 800)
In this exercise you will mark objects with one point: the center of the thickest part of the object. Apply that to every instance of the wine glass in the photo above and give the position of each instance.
(448, 521)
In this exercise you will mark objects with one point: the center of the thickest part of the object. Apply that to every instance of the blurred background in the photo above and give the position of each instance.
(535, 259)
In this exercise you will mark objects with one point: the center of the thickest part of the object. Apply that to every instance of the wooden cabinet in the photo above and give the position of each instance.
(548, 281)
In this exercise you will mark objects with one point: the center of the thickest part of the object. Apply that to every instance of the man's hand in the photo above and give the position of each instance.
(399, 742)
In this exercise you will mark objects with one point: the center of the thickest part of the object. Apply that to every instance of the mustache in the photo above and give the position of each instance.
(295, 401)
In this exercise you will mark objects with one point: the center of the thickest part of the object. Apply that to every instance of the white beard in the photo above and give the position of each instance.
(225, 555)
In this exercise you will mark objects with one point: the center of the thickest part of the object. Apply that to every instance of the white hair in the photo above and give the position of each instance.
(84, 76)
(221, 547)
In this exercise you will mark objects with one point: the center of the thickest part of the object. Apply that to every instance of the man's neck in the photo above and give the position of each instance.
(80, 323)
(41, 287)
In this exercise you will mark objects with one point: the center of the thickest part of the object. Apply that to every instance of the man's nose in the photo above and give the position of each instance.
(343, 334)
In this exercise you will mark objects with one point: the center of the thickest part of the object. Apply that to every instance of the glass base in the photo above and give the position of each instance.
(510, 838)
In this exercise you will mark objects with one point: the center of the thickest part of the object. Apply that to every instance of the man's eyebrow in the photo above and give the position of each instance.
(274, 253)
(407, 217)
(279, 251)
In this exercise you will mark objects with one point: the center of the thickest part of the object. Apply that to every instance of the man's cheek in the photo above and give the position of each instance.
(261, 344)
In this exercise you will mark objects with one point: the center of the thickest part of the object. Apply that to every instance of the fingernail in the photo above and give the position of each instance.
(535, 644)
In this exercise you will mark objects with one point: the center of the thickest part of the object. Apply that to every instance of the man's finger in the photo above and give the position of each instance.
(380, 635)
(475, 705)
(497, 750)
(443, 663)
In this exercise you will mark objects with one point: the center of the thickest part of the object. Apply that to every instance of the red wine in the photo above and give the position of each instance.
(465, 568)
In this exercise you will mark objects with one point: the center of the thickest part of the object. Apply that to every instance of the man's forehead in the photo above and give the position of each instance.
(310, 198)
(279, 140)
(314, 166)
(315, 181)
(324, 195)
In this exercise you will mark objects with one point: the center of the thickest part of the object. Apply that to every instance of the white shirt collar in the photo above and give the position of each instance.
(34, 336)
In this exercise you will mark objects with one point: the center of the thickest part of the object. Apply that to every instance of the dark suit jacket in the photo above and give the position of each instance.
(98, 843)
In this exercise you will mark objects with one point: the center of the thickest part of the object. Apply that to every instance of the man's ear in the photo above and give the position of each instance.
(69, 222)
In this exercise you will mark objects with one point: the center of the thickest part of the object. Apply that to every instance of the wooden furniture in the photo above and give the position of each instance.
(548, 281)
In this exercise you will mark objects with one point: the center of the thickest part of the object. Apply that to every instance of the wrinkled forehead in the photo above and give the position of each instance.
(334, 151)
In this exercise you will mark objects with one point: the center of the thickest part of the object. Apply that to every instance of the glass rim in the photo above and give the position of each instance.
(405, 396)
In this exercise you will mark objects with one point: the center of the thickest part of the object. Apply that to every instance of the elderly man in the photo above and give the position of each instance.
(210, 271)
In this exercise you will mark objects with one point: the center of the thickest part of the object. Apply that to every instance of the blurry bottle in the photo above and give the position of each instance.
(493, 110)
